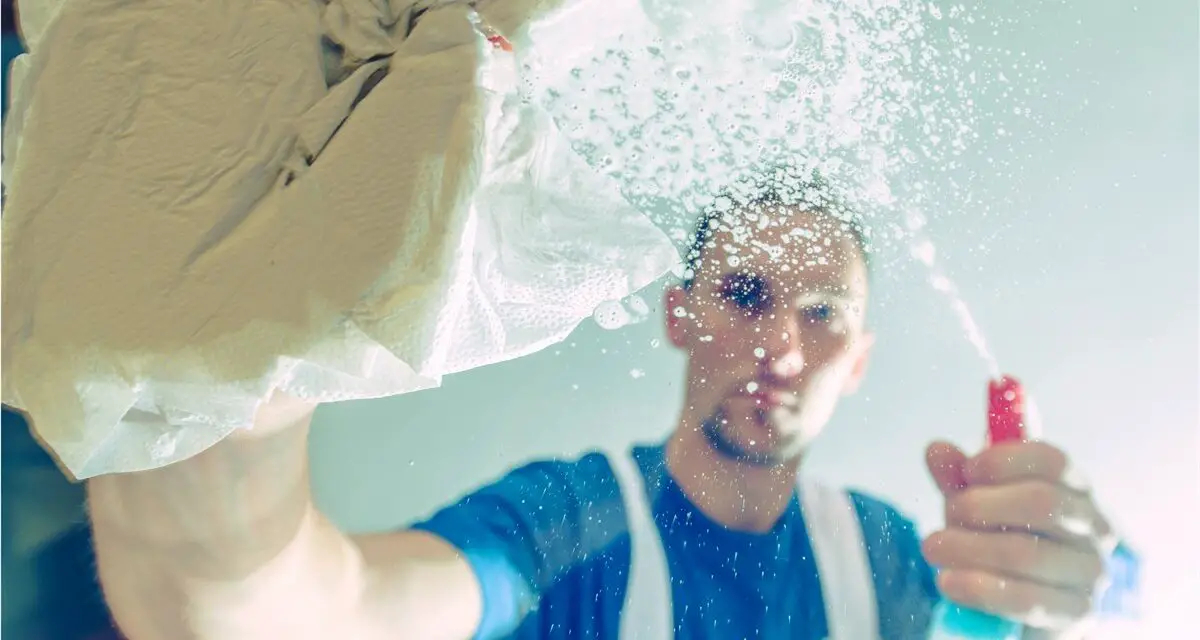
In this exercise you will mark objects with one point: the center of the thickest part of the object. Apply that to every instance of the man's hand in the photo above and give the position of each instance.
(1023, 539)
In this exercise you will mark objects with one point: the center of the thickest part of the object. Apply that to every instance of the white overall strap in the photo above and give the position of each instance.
(647, 613)
(841, 554)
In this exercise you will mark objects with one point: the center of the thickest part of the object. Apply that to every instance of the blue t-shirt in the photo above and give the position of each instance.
(550, 545)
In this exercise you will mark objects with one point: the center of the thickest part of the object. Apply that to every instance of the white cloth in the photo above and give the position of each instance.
(202, 208)
(837, 542)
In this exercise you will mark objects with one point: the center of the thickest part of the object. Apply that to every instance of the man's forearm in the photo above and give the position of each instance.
(226, 544)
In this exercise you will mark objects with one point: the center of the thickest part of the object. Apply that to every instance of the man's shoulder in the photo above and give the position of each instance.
(580, 470)
(578, 482)
(590, 469)
(547, 501)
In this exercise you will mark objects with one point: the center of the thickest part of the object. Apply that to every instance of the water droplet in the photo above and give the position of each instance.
(751, 387)
(679, 312)
(654, 343)
(760, 352)
(636, 373)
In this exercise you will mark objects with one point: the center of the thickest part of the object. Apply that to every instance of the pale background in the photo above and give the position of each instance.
(1083, 273)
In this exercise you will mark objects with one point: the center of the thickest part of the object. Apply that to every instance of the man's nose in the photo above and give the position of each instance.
(783, 351)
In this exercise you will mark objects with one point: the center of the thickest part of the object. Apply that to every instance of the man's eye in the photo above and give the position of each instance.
(818, 313)
(749, 293)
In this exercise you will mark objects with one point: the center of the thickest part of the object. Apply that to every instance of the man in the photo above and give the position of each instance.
(703, 537)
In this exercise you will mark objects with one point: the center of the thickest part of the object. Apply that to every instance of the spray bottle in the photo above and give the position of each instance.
(1006, 423)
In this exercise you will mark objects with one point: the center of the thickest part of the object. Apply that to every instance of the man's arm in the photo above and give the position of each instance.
(229, 545)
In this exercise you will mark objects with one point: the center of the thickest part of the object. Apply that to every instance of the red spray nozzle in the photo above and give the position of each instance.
(1006, 410)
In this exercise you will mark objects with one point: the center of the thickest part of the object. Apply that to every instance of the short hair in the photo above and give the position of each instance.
(812, 195)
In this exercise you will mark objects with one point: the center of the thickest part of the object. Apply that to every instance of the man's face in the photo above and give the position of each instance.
(774, 329)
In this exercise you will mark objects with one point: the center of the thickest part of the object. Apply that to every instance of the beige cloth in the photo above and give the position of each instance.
(203, 207)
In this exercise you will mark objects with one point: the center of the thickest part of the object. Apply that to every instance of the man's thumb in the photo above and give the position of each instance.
(945, 462)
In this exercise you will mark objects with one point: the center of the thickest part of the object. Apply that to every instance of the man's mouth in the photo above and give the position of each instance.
(768, 397)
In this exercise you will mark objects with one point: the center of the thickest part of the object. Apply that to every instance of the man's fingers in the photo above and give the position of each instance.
(1010, 462)
(1017, 555)
(1034, 604)
(946, 462)
(1033, 506)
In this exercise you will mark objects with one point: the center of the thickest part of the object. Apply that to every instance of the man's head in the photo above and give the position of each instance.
(772, 316)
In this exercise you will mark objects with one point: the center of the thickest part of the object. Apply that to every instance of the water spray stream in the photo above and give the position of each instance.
(923, 251)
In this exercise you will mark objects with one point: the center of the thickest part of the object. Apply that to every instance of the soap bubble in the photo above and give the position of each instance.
(637, 306)
(615, 314)
(611, 315)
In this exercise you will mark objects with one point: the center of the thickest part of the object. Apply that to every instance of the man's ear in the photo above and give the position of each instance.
(862, 347)
(677, 328)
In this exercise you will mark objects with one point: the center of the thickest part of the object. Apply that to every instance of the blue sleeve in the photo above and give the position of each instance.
(905, 589)
(526, 530)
